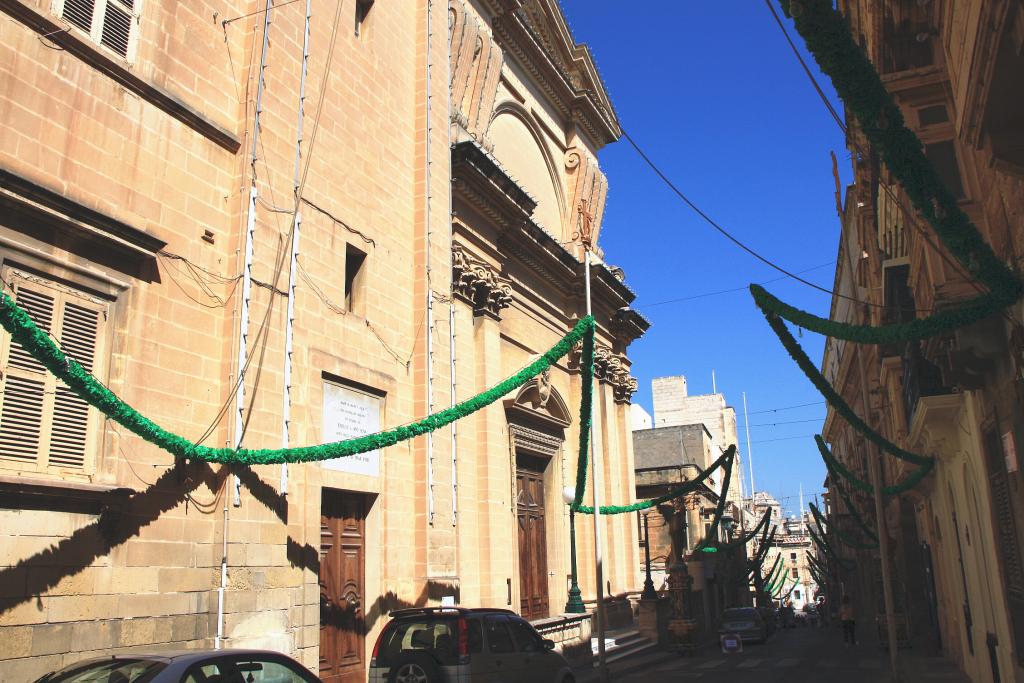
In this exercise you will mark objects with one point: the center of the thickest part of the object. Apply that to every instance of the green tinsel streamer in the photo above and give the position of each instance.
(769, 578)
(839, 488)
(776, 575)
(833, 397)
(830, 40)
(586, 414)
(783, 596)
(762, 550)
(921, 328)
(836, 467)
(688, 487)
(815, 563)
(712, 533)
(746, 538)
(42, 348)
(823, 544)
(845, 538)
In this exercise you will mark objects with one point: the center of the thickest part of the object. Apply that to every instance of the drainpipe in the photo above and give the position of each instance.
(430, 292)
(243, 323)
(286, 410)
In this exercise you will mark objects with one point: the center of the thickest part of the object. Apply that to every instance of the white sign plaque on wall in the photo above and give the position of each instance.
(349, 413)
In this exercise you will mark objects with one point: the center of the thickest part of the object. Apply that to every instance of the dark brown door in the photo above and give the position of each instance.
(533, 565)
(342, 628)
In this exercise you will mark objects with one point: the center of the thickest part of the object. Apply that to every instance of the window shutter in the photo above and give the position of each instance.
(21, 417)
(79, 13)
(117, 25)
(70, 413)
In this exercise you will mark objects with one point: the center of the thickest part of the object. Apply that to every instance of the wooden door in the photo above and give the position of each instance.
(342, 627)
(533, 565)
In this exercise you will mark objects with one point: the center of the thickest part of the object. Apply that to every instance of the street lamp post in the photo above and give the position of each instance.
(648, 593)
(574, 605)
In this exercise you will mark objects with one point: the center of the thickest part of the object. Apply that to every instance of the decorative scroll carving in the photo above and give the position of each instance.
(534, 440)
(475, 61)
(588, 190)
(610, 369)
(476, 282)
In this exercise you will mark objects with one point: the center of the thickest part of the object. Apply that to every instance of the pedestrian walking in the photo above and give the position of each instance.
(849, 625)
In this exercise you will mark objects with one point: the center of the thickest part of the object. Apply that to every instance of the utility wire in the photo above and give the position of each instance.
(775, 410)
(252, 14)
(729, 291)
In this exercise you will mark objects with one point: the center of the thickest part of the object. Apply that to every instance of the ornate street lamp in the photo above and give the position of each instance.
(574, 605)
(648, 593)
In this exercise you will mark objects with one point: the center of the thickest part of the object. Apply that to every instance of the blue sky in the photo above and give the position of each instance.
(712, 92)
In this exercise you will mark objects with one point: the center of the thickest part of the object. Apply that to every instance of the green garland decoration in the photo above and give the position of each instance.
(778, 579)
(769, 578)
(712, 533)
(839, 488)
(835, 467)
(824, 545)
(818, 579)
(39, 344)
(817, 564)
(757, 561)
(965, 314)
(725, 460)
(746, 538)
(839, 533)
(829, 39)
(586, 414)
(783, 596)
(833, 397)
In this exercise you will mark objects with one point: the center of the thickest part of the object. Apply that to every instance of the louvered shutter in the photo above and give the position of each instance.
(70, 424)
(24, 387)
(108, 22)
(42, 422)
(117, 25)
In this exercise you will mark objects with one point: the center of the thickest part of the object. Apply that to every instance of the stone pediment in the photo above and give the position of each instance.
(539, 402)
(535, 31)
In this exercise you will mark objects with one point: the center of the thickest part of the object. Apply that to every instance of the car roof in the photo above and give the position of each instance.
(183, 656)
(446, 611)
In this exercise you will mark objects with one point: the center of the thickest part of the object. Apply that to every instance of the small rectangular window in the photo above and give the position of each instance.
(792, 556)
(354, 260)
(796, 573)
(943, 158)
(111, 23)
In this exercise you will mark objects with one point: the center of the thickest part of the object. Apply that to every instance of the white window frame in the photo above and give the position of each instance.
(61, 292)
(96, 30)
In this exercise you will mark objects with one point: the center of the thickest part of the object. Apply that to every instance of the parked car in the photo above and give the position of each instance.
(186, 666)
(459, 645)
(746, 622)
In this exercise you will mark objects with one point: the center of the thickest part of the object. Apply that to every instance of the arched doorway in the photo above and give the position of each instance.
(537, 418)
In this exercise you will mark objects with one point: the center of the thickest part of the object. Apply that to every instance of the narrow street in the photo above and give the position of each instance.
(791, 656)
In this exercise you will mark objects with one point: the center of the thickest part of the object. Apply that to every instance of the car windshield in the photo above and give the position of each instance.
(438, 637)
(106, 670)
(739, 614)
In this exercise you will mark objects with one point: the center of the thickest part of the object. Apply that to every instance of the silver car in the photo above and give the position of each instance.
(457, 645)
(186, 666)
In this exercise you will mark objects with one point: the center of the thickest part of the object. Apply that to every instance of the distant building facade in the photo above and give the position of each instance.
(674, 406)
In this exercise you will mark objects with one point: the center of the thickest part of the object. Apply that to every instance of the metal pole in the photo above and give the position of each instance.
(750, 455)
(574, 605)
(648, 593)
(596, 482)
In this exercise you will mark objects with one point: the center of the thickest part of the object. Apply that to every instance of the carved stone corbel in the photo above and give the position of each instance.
(477, 283)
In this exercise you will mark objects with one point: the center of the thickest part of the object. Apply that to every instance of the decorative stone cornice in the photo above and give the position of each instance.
(609, 368)
(477, 283)
(535, 34)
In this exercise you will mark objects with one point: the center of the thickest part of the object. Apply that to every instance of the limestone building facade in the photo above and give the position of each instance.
(253, 262)
(957, 538)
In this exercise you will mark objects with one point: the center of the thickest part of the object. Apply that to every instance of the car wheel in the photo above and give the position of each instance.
(415, 669)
